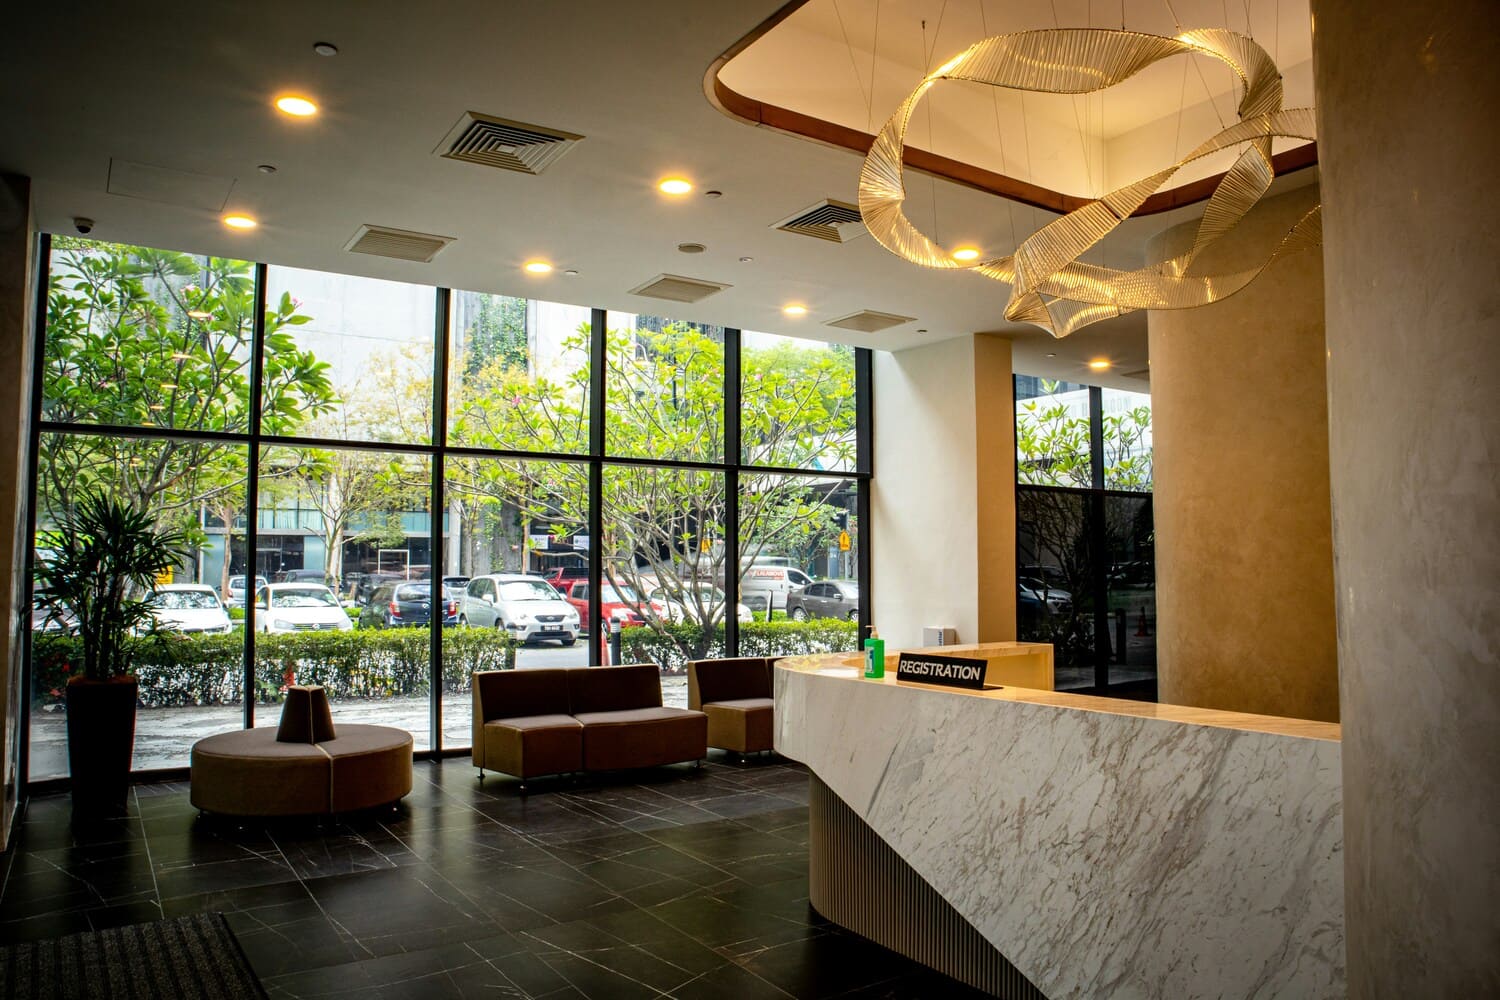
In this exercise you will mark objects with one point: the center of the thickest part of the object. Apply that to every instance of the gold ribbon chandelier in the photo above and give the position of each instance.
(1050, 287)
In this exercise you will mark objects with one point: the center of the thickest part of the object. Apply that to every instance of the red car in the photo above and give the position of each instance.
(615, 603)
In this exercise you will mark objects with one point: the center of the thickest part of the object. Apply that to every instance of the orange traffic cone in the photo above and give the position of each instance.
(1140, 623)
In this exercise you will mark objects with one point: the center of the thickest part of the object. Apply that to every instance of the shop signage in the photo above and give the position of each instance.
(949, 671)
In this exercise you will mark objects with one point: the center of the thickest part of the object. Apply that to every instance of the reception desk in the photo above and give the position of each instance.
(1041, 844)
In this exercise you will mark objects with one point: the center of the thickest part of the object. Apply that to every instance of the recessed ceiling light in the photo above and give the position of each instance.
(691, 248)
(966, 253)
(297, 107)
(922, 330)
(570, 273)
(794, 309)
(1099, 364)
(266, 168)
(325, 48)
(674, 185)
(746, 260)
(713, 194)
(199, 314)
(237, 220)
(538, 267)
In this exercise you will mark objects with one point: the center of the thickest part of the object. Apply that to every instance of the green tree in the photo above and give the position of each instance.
(160, 340)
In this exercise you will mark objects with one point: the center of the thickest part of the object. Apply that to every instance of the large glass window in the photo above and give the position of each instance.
(311, 509)
(1085, 569)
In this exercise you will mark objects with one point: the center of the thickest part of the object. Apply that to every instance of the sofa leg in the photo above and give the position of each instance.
(481, 775)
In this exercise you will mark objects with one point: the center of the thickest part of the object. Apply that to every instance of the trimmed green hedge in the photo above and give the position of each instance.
(674, 645)
(177, 670)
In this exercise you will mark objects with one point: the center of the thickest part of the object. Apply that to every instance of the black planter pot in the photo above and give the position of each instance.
(101, 735)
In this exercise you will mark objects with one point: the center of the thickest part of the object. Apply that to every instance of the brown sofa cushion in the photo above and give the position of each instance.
(610, 689)
(510, 694)
(305, 716)
(370, 766)
(744, 725)
(531, 745)
(642, 737)
(249, 773)
(728, 679)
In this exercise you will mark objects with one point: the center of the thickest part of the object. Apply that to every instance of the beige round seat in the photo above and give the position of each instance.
(252, 772)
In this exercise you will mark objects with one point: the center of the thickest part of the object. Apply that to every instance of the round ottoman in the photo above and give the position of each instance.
(250, 773)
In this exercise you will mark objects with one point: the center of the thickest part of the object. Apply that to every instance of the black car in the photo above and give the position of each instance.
(395, 605)
(825, 599)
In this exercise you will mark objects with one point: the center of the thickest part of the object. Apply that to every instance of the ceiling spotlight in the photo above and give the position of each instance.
(325, 48)
(237, 220)
(713, 194)
(266, 168)
(746, 260)
(674, 185)
(966, 253)
(691, 248)
(1099, 364)
(297, 107)
(199, 314)
(923, 330)
(1051, 355)
(794, 310)
(570, 273)
(538, 267)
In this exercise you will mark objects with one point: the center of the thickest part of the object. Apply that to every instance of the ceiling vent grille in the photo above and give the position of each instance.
(507, 145)
(675, 288)
(869, 321)
(829, 220)
(399, 244)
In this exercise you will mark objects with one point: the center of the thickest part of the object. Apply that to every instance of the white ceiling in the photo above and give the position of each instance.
(188, 86)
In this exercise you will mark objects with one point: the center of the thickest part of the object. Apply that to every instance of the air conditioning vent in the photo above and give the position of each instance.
(675, 288)
(869, 321)
(507, 145)
(399, 244)
(827, 220)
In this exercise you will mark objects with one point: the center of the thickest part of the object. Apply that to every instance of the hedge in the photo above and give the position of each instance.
(177, 670)
(674, 645)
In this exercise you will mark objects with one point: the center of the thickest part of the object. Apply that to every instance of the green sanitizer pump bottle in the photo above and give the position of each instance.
(874, 655)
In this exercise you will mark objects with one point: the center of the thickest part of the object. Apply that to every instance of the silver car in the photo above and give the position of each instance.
(825, 599)
(525, 606)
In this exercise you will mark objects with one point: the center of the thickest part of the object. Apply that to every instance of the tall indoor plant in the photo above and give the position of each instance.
(107, 557)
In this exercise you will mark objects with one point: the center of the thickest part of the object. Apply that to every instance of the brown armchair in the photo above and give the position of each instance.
(735, 694)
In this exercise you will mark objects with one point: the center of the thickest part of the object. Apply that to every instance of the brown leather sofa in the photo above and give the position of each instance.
(557, 721)
(303, 767)
(736, 696)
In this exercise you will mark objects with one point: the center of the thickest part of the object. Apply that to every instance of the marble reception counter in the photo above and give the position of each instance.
(1102, 847)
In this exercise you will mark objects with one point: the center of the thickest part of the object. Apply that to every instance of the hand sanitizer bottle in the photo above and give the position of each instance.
(874, 655)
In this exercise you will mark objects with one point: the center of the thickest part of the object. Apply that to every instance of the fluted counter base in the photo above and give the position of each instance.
(857, 881)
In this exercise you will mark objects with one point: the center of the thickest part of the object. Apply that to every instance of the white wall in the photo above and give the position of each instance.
(924, 497)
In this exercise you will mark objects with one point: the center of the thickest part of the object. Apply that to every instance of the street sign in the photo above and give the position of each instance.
(164, 577)
(843, 541)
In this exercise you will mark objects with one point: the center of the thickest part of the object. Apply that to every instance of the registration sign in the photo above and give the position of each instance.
(949, 671)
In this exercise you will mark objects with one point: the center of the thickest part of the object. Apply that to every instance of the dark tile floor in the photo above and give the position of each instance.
(679, 882)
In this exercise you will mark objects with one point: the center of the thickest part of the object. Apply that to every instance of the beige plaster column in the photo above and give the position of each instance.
(17, 316)
(943, 501)
(1406, 97)
(1244, 562)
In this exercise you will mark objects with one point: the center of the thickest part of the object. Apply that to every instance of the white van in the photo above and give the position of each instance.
(763, 586)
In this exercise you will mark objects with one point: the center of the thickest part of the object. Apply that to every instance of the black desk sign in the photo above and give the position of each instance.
(949, 671)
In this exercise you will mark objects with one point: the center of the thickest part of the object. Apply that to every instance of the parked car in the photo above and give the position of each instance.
(455, 582)
(669, 606)
(825, 599)
(368, 583)
(299, 607)
(760, 585)
(394, 605)
(1031, 602)
(525, 606)
(616, 602)
(188, 607)
(236, 595)
(301, 576)
(1045, 590)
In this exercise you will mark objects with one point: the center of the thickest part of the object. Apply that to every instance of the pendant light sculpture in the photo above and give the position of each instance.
(1050, 286)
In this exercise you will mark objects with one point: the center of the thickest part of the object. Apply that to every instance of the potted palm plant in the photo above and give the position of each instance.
(107, 557)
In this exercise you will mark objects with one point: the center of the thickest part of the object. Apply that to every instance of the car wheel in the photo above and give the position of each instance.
(798, 614)
(463, 622)
(853, 615)
(569, 641)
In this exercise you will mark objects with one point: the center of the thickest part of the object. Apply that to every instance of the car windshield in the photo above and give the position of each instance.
(184, 600)
(527, 590)
(616, 595)
(414, 592)
(303, 597)
(849, 590)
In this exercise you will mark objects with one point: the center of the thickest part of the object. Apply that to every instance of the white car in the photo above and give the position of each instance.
(188, 607)
(525, 606)
(670, 608)
(299, 607)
